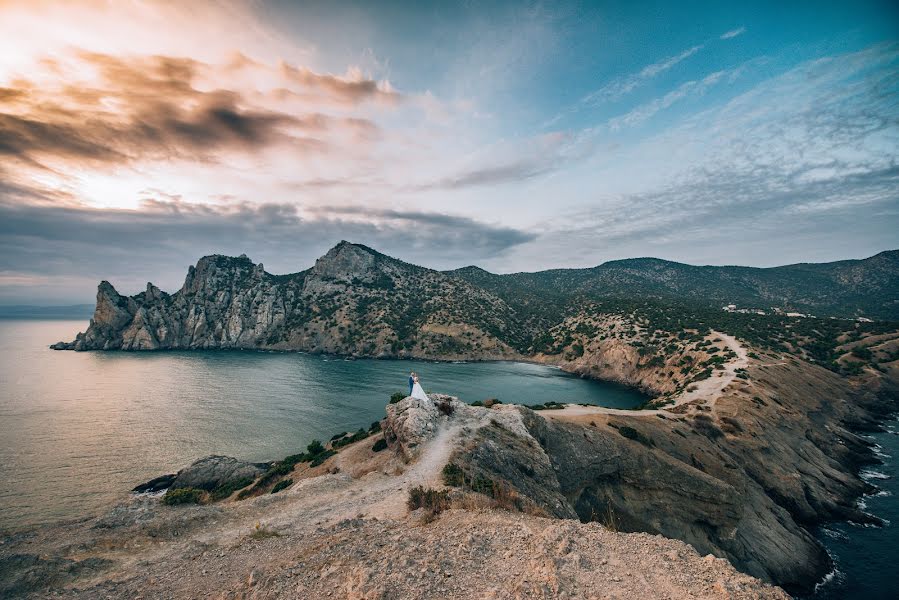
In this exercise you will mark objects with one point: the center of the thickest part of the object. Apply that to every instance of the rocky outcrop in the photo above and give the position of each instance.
(745, 478)
(410, 423)
(206, 473)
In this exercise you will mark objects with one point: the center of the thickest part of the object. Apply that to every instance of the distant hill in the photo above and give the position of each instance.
(848, 289)
(26, 311)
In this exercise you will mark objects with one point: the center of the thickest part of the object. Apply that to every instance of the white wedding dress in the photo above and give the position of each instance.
(418, 392)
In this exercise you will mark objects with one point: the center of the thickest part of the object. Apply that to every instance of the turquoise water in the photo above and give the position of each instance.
(77, 430)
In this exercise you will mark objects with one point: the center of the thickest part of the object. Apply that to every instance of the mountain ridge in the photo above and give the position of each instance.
(355, 300)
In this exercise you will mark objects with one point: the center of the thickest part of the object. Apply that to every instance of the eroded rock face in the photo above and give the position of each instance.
(214, 471)
(746, 479)
(353, 301)
(412, 422)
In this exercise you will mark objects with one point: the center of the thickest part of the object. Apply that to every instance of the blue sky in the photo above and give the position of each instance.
(515, 136)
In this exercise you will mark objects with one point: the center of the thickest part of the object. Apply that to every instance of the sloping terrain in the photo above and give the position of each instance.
(343, 530)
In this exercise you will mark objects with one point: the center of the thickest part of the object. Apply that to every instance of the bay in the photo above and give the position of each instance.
(79, 429)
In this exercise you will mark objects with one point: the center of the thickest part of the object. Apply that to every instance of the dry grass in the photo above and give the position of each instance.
(261, 532)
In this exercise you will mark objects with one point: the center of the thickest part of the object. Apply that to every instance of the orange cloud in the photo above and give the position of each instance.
(152, 107)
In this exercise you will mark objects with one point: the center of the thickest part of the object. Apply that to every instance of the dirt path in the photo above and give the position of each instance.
(708, 390)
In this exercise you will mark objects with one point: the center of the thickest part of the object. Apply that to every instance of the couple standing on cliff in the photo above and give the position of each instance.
(415, 389)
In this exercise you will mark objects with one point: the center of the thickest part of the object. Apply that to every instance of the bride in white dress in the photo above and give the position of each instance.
(417, 391)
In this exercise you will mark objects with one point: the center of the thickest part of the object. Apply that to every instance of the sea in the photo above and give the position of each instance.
(78, 430)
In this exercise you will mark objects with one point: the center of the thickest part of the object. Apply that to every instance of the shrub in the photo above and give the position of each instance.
(321, 458)
(505, 497)
(182, 496)
(453, 475)
(703, 424)
(375, 427)
(281, 485)
(337, 436)
(491, 402)
(396, 397)
(261, 532)
(350, 439)
(549, 406)
(229, 487)
(862, 353)
(477, 403)
(731, 425)
(429, 499)
(482, 485)
(380, 445)
(315, 447)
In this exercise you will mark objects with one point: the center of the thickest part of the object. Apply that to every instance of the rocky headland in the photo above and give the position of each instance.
(750, 440)
(348, 528)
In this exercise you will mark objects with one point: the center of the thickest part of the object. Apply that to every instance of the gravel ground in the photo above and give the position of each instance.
(461, 554)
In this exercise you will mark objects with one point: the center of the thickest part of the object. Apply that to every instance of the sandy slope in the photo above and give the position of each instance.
(707, 391)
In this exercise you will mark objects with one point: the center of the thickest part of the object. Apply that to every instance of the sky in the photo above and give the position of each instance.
(137, 136)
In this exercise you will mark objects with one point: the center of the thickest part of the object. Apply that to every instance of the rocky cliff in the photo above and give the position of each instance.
(345, 529)
(745, 476)
(354, 300)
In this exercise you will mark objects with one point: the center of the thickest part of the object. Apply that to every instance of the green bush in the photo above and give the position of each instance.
(315, 447)
(375, 427)
(862, 353)
(453, 475)
(321, 458)
(482, 485)
(281, 485)
(350, 439)
(380, 445)
(396, 397)
(182, 496)
(229, 487)
(548, 406)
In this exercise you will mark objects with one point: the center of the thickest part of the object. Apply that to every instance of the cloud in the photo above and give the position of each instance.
(807, 155)
(509, 161)
(648, 110)
(727, 35)
(39, 243)
(351, 88)
(620, 87)
(152, 107)
(514, 172)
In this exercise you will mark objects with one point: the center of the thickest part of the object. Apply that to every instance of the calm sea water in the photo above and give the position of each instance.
(867, 557)
(78, 430)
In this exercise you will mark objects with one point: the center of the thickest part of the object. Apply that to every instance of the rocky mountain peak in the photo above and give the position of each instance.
(346, 261)
(216, 271)
(153, 293)
(112, 308)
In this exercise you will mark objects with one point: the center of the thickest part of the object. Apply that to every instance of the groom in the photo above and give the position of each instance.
(411, 381)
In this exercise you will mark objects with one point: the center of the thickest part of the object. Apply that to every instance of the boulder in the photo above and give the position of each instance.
(214, 471)
(412, 422)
